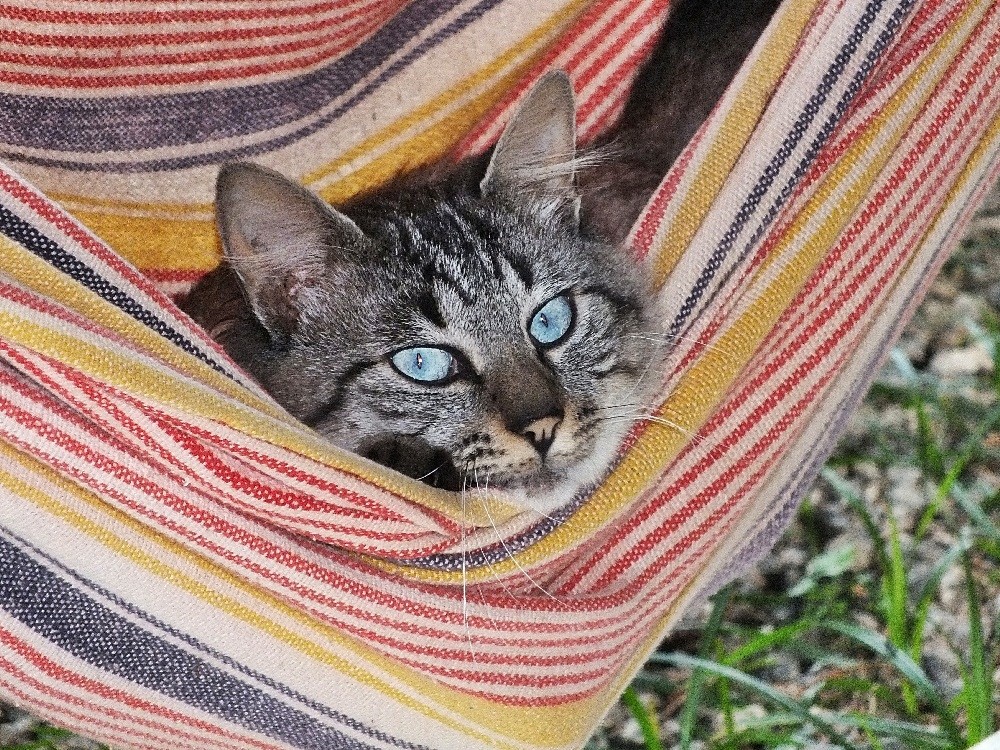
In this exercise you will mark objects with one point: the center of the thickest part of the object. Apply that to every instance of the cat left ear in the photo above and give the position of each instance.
(282, 241)
(535, 154)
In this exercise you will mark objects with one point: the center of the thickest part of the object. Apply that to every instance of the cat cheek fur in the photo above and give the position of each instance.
(462, 262)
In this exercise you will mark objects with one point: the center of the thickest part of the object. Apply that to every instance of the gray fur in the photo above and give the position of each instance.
(461, 261)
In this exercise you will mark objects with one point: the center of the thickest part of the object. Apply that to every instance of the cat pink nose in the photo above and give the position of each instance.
(542, 432)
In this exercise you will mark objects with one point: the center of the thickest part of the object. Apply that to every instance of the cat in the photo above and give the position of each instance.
(474, 324)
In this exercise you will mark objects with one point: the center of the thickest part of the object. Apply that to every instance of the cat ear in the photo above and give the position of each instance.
(535, 154)
(279, 238)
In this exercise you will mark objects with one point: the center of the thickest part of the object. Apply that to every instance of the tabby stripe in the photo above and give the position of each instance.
(323, 412)
(517, 264)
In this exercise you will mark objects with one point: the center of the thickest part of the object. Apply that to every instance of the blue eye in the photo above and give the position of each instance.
(553, 321)
(425, 364)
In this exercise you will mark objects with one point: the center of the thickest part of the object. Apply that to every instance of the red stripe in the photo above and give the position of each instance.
(593, 15)
(119, 41)
(93, 457)
(174, 78)
(261, 12)
(75, 232)
(625, 69)
(808, 299)
(102, 690)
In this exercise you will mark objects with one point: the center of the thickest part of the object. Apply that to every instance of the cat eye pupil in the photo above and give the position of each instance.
(425, 364)
(552, 322)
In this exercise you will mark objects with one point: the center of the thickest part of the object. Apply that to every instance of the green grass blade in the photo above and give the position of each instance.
(689, 714)
(970, 448)
(931, 457)
(975, 512)
(929, 591)
(776, 638)
(896, 590)
(762, 688)
(915, 736)
(857, 505)
(905, 666)
(978, 680)
(647, 721)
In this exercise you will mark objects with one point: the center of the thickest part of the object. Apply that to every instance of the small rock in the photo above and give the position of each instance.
(629, 731)
(952, 589)
(746, 716)
(942, 667)
(968, 360)
(967, 306)
(862, 545)
(16, 727)
(783, 669)
(944, 288)
(867, 470)
(907, 495)
(993, 294)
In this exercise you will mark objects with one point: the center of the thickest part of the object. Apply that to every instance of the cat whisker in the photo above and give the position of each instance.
(641, 409)
(658, 420)
(513, 559)
(465, 572)
(496, 576)
(429, 473)
(663, 336)
(620, 406)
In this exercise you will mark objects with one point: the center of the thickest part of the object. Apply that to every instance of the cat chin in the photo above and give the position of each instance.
(545, 492)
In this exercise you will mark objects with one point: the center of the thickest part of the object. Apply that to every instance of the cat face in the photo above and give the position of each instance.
(460, 332)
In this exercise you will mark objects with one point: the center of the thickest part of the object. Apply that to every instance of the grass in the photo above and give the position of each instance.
(862, 633)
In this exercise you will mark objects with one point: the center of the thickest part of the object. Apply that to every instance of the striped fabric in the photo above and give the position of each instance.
(184, 566)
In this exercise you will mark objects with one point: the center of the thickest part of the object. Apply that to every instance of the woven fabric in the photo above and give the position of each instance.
(183, 565)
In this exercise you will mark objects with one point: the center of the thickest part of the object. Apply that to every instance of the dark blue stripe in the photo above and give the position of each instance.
(48, 250)
(498, 552)
(64, 615)
(127, 124)
(802, 480)
(799, 129)
(503, 549)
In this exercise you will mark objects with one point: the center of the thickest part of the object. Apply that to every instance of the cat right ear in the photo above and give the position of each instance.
(278, 238)
(535, 155)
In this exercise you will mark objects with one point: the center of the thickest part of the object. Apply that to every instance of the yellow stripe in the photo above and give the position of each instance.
(201, 578)
(35, 274)
(155, 244)
(439, 139)
(715, 369)
(734, 132)
(225, 401)
(161, 243)
(154, 386)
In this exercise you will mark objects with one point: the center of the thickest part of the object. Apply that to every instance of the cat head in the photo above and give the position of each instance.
(460, 324)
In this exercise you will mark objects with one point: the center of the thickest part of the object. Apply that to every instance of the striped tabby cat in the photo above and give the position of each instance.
(462, 325)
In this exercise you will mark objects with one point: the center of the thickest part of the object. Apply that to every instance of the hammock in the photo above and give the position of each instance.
(183, 565)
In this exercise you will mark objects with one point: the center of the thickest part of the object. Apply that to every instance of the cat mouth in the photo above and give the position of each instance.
(415, 458)
(419, 460)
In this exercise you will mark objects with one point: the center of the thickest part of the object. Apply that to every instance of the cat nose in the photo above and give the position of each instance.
(528, 402)
(542, 432)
